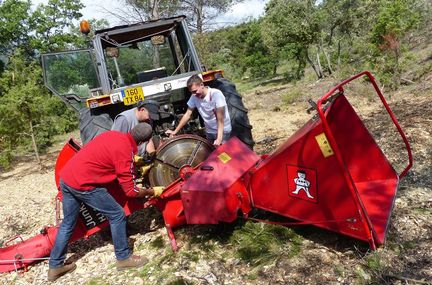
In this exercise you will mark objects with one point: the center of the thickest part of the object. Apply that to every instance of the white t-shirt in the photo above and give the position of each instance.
(207, 109)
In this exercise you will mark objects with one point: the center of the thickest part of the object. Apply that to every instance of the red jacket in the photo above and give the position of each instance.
(106, 158)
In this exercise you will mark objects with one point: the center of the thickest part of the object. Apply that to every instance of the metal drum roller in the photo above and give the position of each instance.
(176, 156)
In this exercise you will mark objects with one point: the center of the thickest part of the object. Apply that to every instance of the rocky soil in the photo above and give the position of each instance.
(205, 257)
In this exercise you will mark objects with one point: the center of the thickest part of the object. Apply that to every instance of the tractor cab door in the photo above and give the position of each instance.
(72, 76)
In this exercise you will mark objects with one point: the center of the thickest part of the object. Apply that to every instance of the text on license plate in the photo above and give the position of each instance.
(132, 95)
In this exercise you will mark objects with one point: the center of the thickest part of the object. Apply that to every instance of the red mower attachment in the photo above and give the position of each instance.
(331, 173)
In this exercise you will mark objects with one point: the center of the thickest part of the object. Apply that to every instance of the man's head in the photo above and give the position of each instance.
(196, 86)
(147, 110)
(141, 133)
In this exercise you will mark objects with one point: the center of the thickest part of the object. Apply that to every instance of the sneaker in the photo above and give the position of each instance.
(132, 261)
(55, 273)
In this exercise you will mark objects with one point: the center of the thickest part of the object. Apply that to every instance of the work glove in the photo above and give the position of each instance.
(137, 159)
(158, 190)
(145, 169)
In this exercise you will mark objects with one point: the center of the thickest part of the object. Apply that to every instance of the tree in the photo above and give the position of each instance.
(200, 13)
(394, 20)
(28, 114)
(51, 24)
(292, 27)
(15, 25)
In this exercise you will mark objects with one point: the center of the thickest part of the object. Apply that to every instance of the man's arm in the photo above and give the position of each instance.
(120, 124)
(150, 147)
(220, 117)
(182, 122)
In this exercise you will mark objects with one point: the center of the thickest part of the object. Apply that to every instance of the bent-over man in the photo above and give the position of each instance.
(106, 158)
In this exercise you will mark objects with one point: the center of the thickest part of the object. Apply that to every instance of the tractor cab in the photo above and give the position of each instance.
(127, 63)
(148, 60)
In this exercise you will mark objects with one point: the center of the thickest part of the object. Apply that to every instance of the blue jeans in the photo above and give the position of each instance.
(100, 200)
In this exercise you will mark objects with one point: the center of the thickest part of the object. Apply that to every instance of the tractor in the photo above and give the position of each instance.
(149, 61)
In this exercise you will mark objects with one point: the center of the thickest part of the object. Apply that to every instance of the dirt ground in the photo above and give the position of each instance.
(27, 204)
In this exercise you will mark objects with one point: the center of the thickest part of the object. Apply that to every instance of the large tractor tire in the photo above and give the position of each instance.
(92, 124)
(241, 127)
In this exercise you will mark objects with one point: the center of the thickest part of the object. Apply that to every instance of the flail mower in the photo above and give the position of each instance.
(330, 174)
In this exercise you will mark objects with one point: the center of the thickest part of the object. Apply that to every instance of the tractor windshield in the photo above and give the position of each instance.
(145, 54)
(71, 75)
(144, 61)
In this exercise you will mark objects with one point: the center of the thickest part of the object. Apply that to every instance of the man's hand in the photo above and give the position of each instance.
(143, 192)
(158, 190)
(217, 142)
(170, 133)
(137, 158)
(145, 169)
(155, 191)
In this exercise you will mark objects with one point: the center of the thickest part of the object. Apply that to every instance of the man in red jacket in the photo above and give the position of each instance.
(106, 158)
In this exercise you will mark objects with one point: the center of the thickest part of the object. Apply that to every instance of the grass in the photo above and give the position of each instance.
(292, 95)
(258, 243)
(158, 242)
(97, 281)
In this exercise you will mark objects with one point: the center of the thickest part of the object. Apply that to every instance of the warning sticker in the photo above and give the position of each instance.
(302, 183)
(224, 157)
(324, 145)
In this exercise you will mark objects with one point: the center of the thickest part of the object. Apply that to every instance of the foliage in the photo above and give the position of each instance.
(27, 109)
(201, 13)
(15, 24)
(328, 36)
(259, 243)
(30, 116)
(394, 20)
(291, 28)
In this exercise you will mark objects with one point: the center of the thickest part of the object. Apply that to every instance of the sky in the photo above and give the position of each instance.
(238, 13)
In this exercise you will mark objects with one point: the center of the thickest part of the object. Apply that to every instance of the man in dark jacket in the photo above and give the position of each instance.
(106, 158)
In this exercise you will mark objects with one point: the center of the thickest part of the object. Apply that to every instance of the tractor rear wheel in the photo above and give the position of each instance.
(241, 127)
(92, 124)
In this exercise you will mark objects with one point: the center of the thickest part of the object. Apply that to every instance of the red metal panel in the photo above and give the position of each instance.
(273, 187)
(374, 178)
(68, 151)
(20, 255)
(304, 180)
(214, 192)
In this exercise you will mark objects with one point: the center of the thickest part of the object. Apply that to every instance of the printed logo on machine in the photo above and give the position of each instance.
(302, 183)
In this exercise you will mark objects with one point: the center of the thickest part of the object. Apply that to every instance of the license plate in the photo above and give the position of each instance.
(132, 95)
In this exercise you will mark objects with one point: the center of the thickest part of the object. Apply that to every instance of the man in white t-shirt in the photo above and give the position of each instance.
(212, 107)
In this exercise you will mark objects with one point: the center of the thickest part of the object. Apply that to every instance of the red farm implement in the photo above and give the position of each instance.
(330, 174)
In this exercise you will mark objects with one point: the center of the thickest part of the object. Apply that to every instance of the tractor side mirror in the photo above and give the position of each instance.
(112, 52)
(157, 40)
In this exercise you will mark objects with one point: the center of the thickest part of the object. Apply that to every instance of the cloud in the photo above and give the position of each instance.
(242, 11)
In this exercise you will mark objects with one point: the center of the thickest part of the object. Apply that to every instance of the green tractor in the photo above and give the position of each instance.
(125, 64)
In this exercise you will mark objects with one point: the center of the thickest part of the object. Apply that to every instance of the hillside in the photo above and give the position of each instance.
(254, 253)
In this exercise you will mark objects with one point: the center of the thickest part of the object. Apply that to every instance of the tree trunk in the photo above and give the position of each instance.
(199, 15)
(309, 60)
(35, 148)
(155, 16)
(328, 61)
(320, 71)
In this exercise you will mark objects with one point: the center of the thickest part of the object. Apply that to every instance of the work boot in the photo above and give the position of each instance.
(132, 261)
(55, 273)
